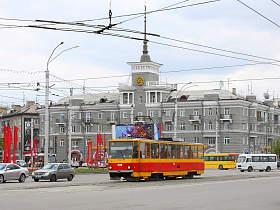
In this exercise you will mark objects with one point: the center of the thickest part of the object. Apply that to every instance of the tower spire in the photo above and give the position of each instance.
(145, 56)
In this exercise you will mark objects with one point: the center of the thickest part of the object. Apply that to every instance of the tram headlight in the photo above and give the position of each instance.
(110, 167)
(128, 167)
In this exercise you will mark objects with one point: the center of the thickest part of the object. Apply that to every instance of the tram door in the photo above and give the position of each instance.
(135, 154)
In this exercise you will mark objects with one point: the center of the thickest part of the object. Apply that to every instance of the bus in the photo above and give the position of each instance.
(136, 159)
(220, 161)
(38, 160)
(261, 162)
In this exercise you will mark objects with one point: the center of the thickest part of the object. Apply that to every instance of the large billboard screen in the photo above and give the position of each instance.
(135, 131)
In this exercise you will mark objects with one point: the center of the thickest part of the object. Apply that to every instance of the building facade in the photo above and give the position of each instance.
(222, 120)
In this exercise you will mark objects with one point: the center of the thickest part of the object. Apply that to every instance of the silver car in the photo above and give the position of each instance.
(54, 171)
(10, 171)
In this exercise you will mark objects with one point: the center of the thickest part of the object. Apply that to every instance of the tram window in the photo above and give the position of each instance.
(194, 151)
(163, 151)
(200, 152)
(187, 152)
(154, 150)
(135, 150)
(213, 158)
(171, 151)
(144, 150)
(179, 151)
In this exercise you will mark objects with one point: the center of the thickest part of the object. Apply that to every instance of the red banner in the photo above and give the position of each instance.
(5, 143)
(15, 141)
(31, 160)
(100, 146)
(104, 150)
(91, 153)
(88, 153)
(96, 153)
(10, 137)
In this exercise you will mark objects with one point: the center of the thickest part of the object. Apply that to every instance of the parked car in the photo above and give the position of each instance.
(75, 164)
(54, 171)
(10, 171)
(278, 164)
(20, 163)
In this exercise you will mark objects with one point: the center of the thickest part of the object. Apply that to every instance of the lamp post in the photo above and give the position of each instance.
(47, 93)
(176, 107)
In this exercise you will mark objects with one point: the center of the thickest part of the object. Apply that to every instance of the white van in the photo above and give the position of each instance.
(261, 162)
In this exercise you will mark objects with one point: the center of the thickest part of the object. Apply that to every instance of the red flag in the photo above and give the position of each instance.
(87, 153)
(104, 150)
(31, 153)
(91, 153)
(96, 153)
(37, 152)
(10, 137)
(100, 143)
(15, 141)
(5, 143)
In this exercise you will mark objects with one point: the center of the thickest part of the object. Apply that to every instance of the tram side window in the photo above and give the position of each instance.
(213, 158)
(171, 151)
(144, 150)
(200, 152)
(154, 150)
(180, 151)
(194, 151)
(187, 152)
(163, 151)
(135, 150)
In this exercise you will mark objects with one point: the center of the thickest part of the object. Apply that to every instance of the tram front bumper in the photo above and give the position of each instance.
(117, 174)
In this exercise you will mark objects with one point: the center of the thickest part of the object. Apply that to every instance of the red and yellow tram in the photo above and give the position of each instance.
(135, 159)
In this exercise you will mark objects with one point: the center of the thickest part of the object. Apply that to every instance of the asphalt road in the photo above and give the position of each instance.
(228, 189)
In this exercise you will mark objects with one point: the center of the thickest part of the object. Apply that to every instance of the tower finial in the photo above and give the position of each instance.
(145, 56)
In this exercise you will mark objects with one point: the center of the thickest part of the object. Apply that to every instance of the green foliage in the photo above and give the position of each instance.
(1, 145)
(276, 147)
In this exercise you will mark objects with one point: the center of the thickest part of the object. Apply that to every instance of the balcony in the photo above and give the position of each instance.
(195, 118)
(226, 117)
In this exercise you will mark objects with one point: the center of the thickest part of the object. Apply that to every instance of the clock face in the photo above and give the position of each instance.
(140, 80)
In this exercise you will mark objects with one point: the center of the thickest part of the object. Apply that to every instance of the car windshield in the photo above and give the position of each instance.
(2, 166)
(50, 166)
(120, 149)
(241, 159)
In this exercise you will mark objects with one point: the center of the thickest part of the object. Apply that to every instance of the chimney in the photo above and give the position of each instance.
(234, 91)
(17, 108)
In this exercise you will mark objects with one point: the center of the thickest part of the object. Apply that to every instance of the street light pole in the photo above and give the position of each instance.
(47, 93)
(176, 107)
(46, 150)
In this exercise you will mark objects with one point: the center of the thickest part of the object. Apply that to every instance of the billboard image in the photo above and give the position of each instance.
(135, 131)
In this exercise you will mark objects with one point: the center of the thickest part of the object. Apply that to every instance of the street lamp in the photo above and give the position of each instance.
(47, 93)
(176, 107)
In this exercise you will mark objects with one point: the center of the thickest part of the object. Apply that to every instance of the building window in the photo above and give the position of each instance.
(196, 139)
(73, 115)
(196, 126)
(100, 115)
(80, 115)
(211, 140)
(75, 144)
(62, 129)
(210, 126)
(87, 128)
(226, 125)
(195, 112)
(226, 111)
(88, 117)
(100, 128)
(226, 140)
(62, 142)
(62, 116)
(36, 121)
(140, 99)
(168, 127)
(183, 126)
(124, 114)
(159, 113)
(42, 119)
(168, 113)
(152, 113)
(73, 130)
(113, 116)
(210, 112)
(153, 99)
(182, 112)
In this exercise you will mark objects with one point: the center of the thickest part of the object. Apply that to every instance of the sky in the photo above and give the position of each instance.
(198, 41)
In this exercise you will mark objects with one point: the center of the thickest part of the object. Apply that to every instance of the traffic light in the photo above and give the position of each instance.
(262, 149)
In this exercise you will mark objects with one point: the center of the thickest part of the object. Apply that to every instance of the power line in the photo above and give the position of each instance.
(275, 3)
(259, 13)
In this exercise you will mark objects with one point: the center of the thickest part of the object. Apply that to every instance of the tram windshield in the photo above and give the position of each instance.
(120, 149)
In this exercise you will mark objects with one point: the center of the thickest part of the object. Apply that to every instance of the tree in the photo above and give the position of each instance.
(1, 145)
(276, 147)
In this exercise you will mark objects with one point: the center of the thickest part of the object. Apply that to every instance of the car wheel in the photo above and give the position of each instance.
(250, 169)
(267, 169)
(70, 178)
(22, 178)
(1, 178)
(53, 178)
(36, 180)
(221, 167)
